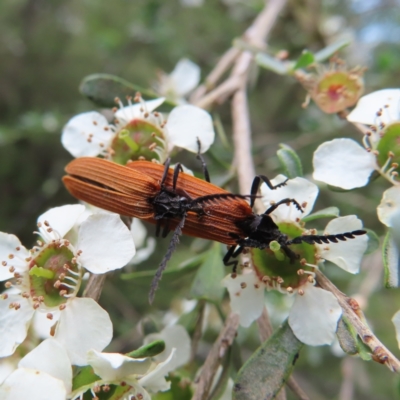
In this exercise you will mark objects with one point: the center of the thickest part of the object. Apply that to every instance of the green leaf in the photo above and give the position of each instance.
(329, 212)
(184, 268)
(207, 282)
(391, 261)
(330, 50)
(373, 241)
(148, 350)
(102, 89)
(289, 161)
(271, 63)
(304, 60)
(84, 376)
(265, 372)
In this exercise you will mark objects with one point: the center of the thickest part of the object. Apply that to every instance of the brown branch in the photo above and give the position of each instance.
(212, 362)
(352, 311)
(94, 286)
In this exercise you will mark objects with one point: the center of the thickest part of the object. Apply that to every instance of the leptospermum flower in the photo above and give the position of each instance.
(315, 311)
(135, 378)
(346, 164)
(138, 131)
(47, 278)
(180, 82)
(43, 373)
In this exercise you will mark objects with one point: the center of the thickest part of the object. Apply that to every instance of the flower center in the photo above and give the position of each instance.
(389, 145)
(280, 272)
(50, 275)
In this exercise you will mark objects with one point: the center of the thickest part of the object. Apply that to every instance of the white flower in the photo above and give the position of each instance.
(368, 107)
(138, 131)
(343, 163)
(138, 376)
(144, 248)
(44, 373)
(315, 312)
(182, 80)
(47, 278)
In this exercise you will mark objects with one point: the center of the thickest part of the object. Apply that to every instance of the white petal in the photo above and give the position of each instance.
(106, 243)
(396, 322)
(300, 189)
(185, 124)
(185, 76)
(368, 106)
(42, 325)
(389, 208)
(343, 163)
(61, 219)
(14, 324)
(52, 358)
(247, 296)
(35, 385)
(83, 325)
(114, 366)
(154, 381)
(128, 113)
(7, 366)
(138, 232)
(346, 255)
(314, 316)
(8, 245)
(76, 133)
(174, 336)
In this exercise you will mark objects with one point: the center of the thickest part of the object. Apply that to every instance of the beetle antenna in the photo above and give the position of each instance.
(320, 239)
(283, 201)
(171, 248)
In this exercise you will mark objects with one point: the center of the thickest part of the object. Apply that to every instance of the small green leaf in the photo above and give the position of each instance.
(329, 212)
(207, 282)
(346, 337)
(84, 376)
(330, 50)
(373, 241)
(265, 372)
(289, 161)
(102, 89)
(271, 63)
(391, 261)
(304, 60)
(148, 350)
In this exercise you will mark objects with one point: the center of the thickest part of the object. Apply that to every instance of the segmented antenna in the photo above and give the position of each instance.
(320, 239)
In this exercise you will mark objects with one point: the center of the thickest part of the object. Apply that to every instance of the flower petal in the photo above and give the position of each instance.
(154, 381)
(52, 358)
(105, 242)
(343, 163)
(7, 366)
(128, 113)
(83, 325)
(26, 383)
(14, 324)
(174, 336)
(247, 296)
(61, 219)
(367, 107)
(87, 134)
(114, 366)
(185, 76)
(396, 322)
(42, 325)
(300, 189)
(389, 208)
(314, 316)
(188, 123)
(8, 245)
(346, 255)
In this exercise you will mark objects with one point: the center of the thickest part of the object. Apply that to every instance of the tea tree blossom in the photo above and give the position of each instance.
(315, 312)
(138, 131)
(180, 82)
(47, 278)
(346, 164)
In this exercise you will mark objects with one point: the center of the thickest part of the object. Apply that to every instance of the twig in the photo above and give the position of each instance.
(351, 309)
(94, 286)
(222, 66)
(218, 350)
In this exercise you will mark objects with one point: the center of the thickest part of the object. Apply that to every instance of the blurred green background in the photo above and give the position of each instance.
(48, 47)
